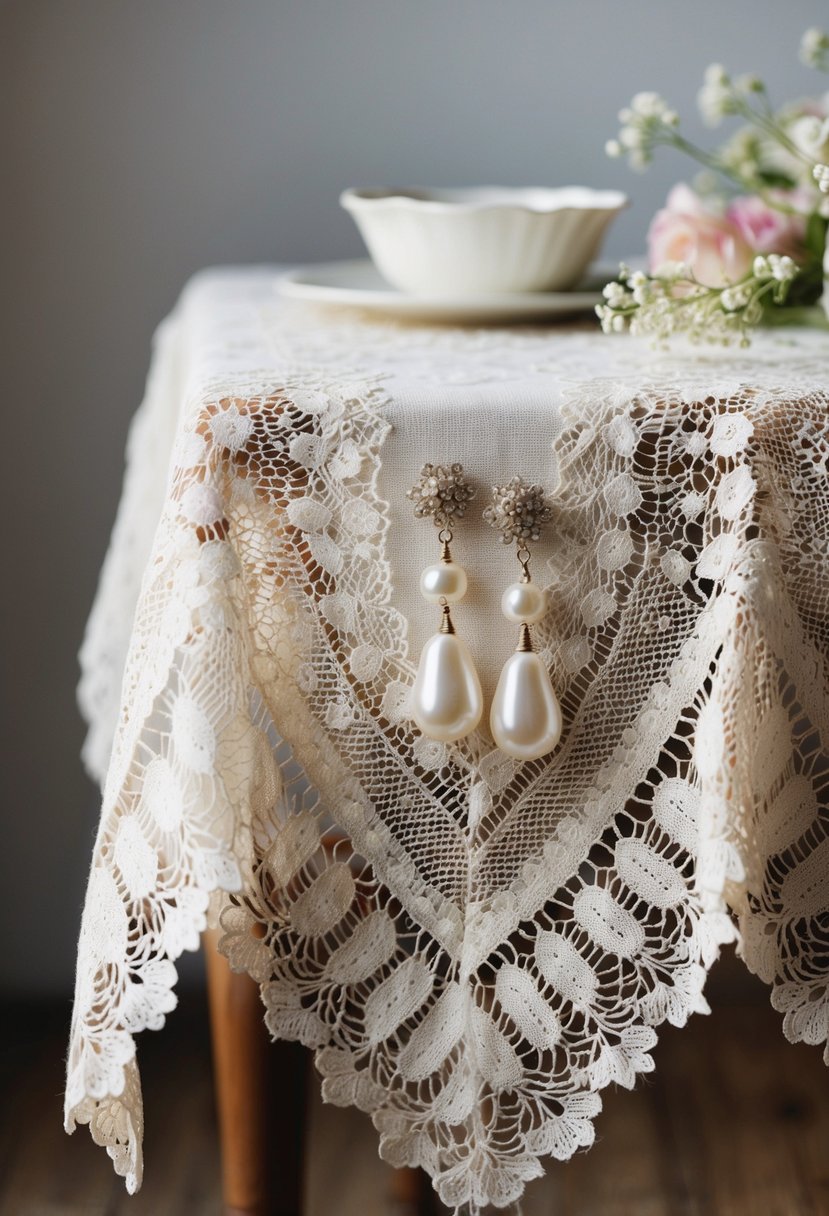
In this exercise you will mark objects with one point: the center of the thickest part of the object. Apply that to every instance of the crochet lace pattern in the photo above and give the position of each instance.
(472, 947)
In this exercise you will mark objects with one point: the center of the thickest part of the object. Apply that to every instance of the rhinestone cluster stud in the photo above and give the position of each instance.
(518, 511)
(442, 493)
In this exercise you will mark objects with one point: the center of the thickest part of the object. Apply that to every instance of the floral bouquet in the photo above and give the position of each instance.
(748, 244)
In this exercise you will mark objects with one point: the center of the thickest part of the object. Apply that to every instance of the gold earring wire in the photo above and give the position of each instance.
(447, 699)
(525, 717)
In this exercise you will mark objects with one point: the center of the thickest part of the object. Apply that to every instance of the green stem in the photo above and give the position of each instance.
(678, 141)
(770, 125)
(710, 161)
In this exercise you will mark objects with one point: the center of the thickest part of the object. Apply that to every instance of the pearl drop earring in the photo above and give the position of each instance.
(525, 717)
(447, 698)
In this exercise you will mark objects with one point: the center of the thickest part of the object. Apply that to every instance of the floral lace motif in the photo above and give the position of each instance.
(472, 947)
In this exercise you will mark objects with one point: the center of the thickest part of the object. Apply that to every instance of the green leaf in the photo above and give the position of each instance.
(813, 316)
(816, 235)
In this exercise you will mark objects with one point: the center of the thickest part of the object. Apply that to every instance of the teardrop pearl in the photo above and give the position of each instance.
(525, 718)
(447, 698)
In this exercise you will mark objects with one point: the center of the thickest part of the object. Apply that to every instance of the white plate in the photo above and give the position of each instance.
(359, 284)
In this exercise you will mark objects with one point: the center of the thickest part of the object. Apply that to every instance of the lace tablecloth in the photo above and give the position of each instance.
(473, 947)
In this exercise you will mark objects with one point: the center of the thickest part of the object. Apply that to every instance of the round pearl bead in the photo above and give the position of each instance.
(444, 581)
(523, 602)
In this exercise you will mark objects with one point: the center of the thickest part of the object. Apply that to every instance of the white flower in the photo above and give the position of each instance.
(735, 298)
(810, 134)
(773, 266)
(673, 270)
(717, 97)
(821, 176)
(614, 293)
(814, 49)
(741, 155)
(645, 122)
(605, 316)
(783, 268)
(642, 289)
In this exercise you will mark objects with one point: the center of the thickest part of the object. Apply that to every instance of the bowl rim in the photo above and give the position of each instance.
(464, 199)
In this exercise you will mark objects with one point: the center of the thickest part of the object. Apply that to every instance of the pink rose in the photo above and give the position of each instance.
(686, 230)
(767, 230)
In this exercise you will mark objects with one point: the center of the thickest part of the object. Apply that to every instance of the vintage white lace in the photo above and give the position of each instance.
(472, 947)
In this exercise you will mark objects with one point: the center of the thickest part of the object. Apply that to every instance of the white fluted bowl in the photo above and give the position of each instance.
(484, 240)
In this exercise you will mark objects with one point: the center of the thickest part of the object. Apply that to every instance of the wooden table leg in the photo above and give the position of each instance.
(260, 1099)
(261, 1116)
(240, 1043)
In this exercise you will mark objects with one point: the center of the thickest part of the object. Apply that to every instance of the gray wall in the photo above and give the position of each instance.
(141, 141)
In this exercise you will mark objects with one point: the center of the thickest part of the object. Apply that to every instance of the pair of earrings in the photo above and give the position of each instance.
(525, 717)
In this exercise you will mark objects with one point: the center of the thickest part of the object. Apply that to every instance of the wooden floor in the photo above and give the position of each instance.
(734, 1122)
